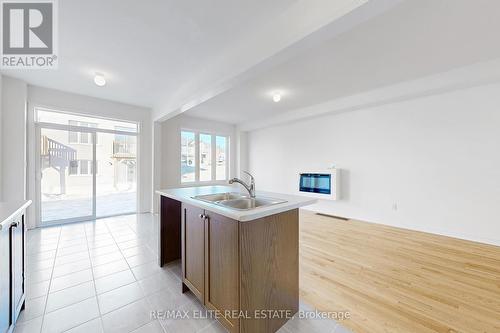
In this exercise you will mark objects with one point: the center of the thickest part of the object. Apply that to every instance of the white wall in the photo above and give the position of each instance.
(437, 158)
(91, 106)
(14, 96)
(1, 148)
(170, 145)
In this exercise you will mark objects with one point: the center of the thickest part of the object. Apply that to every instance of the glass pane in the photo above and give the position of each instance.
(64, 193)
(220, 155)
(188, 158)
(84, 167)
(116, 177)
(205, 157)
(49, 116)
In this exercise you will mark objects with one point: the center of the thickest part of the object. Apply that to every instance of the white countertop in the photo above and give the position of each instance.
(186, 194)
(9, 209)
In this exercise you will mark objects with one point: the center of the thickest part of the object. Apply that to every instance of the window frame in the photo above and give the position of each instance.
(90, 167)
(79, 135)
(213, 178)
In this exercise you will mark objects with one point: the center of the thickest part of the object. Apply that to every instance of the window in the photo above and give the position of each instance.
(81, 137)
(220, 155)
(203, 157)
(82, 167)
(188, 157)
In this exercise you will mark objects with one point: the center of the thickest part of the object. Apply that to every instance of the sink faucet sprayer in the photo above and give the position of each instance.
(250, 188)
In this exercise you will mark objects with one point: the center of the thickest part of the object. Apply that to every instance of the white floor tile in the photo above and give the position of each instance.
(94, 252)
(93, 326)
(114, 281)
(71, 250)
(140, 259)
(70, 316)
(30, 326)
(38, 276)
(166, 300)
(110, 268)
(39, 265)
(215, 327)
(154, 283)
(37, 289)
(72, 267)
(106, 258)
(119, 297)
(137, 250)
(71, 258)
(70, 280)
(70, 296)
(145, 270)
(152, 327)
(127, 318)
(33, 308)
(186, 325)
(41, 256)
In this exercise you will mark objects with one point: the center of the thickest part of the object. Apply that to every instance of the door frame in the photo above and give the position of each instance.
(38, 173)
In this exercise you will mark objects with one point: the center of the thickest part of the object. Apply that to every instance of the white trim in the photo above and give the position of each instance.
(94, 176)
(214, 136)
(78, 114)
(94, 132)
(72, 128)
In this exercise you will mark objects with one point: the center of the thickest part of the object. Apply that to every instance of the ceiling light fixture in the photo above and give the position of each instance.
(99, 80)
(276, 97)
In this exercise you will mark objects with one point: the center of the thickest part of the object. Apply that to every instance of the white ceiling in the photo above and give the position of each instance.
(415, 39)
(146, 49)
(161, 53)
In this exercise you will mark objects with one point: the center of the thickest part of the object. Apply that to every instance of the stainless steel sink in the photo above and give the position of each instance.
(250, 203)
(219, 196)
(238, 201)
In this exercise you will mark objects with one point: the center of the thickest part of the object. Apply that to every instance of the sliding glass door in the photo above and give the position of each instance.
(116, 174)
(66, 177)
(87, 167)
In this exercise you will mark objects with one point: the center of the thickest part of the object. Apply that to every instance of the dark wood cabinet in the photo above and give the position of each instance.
(193, 250)
(221, 267)
(240, 268)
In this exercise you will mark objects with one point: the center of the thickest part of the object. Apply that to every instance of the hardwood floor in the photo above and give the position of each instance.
(396, 280)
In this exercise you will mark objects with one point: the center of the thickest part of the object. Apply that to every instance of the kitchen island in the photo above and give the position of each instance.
(240, 261)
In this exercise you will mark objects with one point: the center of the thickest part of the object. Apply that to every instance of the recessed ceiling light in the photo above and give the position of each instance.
(276, 97)
(99, 80)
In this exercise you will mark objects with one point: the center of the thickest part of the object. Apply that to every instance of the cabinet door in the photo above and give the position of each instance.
(17, 260)
(221, 267)
(193, 247)
(5, 314)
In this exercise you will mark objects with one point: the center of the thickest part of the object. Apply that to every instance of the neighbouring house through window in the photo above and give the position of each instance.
(204, 157)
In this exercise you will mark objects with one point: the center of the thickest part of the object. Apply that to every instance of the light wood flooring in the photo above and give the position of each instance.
(396, 280)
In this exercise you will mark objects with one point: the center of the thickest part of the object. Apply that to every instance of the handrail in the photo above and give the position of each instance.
(54, 148)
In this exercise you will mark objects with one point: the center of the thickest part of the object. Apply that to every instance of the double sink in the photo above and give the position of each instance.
(238, 201)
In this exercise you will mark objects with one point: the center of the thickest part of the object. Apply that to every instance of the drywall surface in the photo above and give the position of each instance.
(430, 164)
(1, 131)
(14, 94)
(62, 101)
(171, 146)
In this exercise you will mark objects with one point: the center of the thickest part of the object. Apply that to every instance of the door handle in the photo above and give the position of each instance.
(14, 224)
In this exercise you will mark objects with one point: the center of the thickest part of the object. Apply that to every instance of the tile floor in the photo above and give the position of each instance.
(102, 276)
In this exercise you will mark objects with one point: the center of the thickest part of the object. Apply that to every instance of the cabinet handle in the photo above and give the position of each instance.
(202, 216)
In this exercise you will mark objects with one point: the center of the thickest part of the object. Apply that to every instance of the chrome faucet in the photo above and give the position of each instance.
(250, 188)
